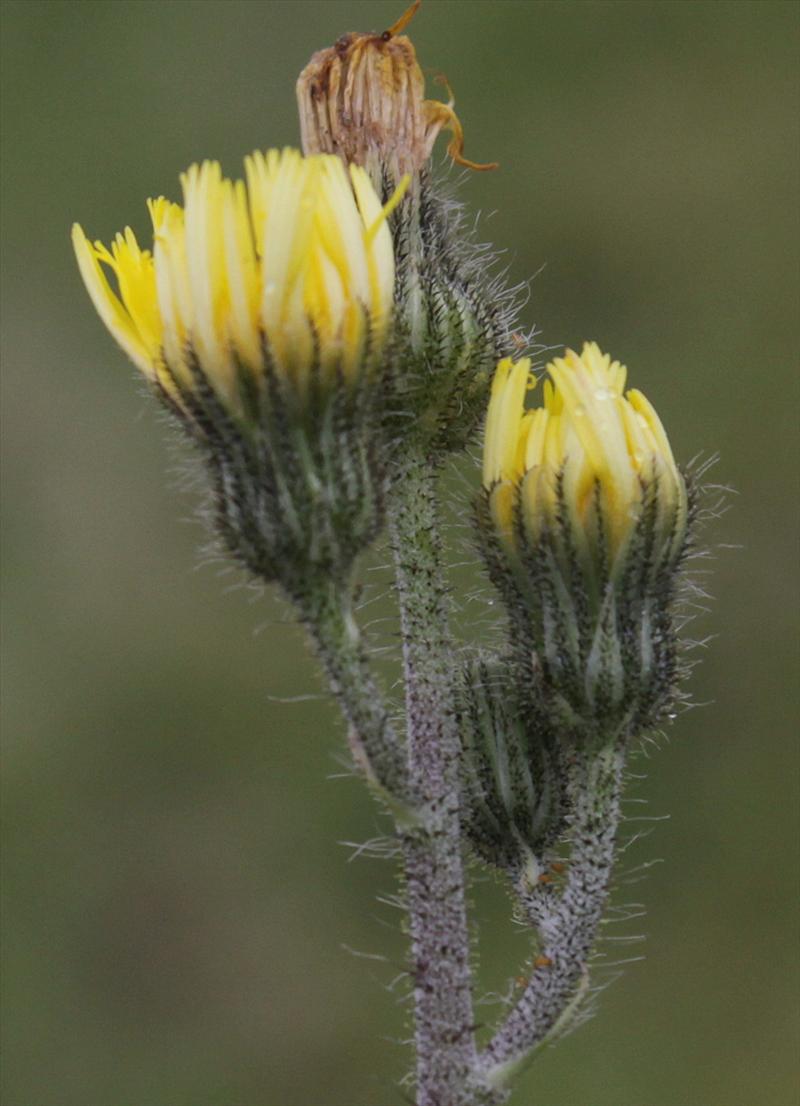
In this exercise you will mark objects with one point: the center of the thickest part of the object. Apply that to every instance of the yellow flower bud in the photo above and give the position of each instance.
(593, 454)
(583, 526)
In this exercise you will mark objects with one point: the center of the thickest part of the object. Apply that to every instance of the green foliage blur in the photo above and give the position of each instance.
(177, 895)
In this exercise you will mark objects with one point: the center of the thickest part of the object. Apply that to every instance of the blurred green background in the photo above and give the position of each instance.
(176, 899)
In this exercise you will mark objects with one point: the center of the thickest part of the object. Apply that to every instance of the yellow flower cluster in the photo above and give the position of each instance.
(589, 446)
(298, 261)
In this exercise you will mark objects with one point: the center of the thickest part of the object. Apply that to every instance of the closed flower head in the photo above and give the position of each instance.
(512, 771)
(583, 523)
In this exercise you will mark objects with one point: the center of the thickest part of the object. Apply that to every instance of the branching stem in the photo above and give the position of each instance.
(420, 784)
(568, 923)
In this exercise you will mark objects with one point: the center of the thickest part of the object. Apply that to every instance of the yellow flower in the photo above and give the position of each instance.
(294, 269)
(592, 456)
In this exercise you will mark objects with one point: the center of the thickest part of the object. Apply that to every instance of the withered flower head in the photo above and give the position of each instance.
(364, 99)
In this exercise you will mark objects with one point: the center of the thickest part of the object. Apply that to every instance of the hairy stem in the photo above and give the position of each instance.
(328, 616)
(567, 923)
(435, 896)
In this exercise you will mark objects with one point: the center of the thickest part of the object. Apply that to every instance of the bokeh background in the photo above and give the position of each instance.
(177, 898)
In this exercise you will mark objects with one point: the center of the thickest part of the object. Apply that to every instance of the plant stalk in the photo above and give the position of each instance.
(434, 870)
(376, 749)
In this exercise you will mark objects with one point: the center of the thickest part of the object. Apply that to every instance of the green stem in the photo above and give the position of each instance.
(435, 891)
(328, 616)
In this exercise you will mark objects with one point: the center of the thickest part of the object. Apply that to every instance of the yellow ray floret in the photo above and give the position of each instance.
(599, 443)
(298, 261)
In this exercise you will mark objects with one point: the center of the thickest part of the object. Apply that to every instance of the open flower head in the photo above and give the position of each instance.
(593, 457)
(291, 272)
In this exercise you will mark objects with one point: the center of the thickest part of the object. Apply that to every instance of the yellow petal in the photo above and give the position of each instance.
(242, 275)
(506, 408)
(107, 304)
